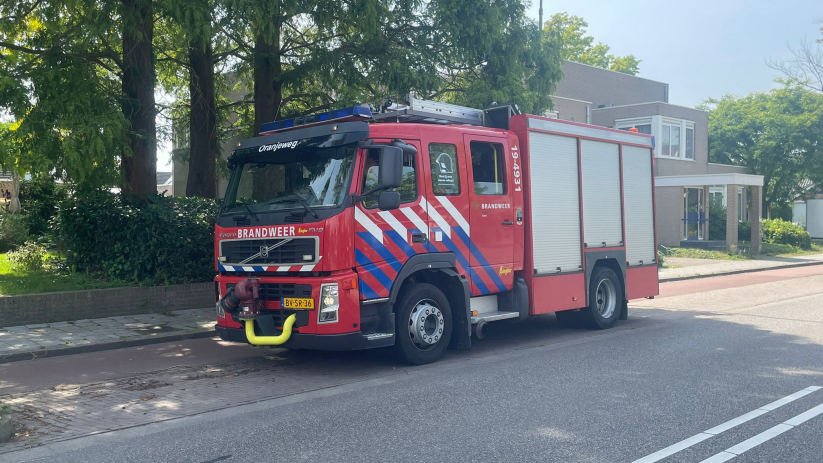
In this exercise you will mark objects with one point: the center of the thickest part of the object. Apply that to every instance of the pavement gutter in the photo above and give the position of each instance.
(33, 355)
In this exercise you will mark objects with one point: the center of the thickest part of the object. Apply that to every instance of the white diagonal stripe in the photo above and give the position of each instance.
(415, 219)
(310, 267)
(461, 221)
(367, 223)
(395, 224)
(284, 269)
(438, 219)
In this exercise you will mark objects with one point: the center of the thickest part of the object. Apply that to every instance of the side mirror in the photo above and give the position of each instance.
(390, 174)
(388, 200)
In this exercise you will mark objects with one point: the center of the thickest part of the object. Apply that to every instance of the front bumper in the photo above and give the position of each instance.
(347, 341)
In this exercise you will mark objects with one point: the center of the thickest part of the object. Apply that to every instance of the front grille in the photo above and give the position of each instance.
(276, 291)
(296, 251)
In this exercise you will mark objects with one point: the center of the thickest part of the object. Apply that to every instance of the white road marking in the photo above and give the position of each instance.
(764, 436)
(697, 438)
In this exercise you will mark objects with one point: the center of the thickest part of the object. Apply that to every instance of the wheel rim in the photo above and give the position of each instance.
(605, 298)
(426, 324)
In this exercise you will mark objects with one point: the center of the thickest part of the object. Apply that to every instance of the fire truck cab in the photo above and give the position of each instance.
(411, 228)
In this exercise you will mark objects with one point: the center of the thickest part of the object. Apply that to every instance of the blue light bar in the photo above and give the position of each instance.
(337, 115)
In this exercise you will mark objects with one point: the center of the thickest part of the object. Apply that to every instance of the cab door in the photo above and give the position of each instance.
(385, 240)
(492, 212)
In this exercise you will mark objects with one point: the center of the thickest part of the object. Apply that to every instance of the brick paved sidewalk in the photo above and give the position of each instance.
(33, 341)
(686, 268)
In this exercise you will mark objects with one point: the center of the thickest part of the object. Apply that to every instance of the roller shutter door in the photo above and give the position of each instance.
(555, 203)
(602, 210)
(637, 197)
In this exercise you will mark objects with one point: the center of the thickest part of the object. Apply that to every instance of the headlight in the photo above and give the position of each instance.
(329, 303)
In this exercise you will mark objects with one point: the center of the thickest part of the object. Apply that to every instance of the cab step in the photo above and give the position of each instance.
(493, 316)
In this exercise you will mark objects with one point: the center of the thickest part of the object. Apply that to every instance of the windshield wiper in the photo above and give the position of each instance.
(306, 205)
(251, 212)
(295, 198)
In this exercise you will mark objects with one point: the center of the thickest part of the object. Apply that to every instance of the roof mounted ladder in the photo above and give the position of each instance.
(418, 110)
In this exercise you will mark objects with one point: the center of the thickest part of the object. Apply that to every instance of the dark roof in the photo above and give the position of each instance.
(163, 177)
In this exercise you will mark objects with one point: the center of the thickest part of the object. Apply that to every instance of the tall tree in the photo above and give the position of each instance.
(575, 45)
(776, 134)
(66, 68)
(805, 67)
(139, 162)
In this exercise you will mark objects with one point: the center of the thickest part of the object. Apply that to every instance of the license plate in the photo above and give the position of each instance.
(298, 303)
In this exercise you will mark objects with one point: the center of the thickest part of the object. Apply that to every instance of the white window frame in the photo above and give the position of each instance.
(658, 123)
(740, 195)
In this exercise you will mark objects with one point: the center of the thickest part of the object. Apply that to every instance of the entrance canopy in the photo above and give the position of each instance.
(709, 179)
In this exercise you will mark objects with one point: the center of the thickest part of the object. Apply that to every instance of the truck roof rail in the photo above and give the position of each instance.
(418, 110)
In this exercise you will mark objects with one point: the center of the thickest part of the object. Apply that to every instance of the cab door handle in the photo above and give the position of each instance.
(418, 237)
(508, 222)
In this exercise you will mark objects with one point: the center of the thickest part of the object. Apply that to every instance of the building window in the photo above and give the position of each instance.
(739, 204)
(689, 143)
(671, 141)
(641, 128)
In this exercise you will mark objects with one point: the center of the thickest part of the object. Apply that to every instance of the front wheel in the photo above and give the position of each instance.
(424, 324)
(605, 299)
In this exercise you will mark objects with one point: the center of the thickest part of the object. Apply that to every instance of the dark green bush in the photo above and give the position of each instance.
(778, 231)
(164, 240)
(14, 230)
(40, 198)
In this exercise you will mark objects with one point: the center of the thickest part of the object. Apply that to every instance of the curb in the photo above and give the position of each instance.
(33, 355)
(738, 272)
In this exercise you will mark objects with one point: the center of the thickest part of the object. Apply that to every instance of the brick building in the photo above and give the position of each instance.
(685, 180)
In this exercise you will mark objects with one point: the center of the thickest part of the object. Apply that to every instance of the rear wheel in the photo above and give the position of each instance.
(424, 324)
(605, 299)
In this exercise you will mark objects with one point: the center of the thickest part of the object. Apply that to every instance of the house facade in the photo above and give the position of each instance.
(686, 182)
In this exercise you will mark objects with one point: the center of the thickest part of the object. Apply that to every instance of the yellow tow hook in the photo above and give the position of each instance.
(269, 340)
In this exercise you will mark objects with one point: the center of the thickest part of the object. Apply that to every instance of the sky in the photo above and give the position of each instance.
(700, 48)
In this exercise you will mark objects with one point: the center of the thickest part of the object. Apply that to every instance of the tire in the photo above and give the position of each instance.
(605, 299)
(423, 324)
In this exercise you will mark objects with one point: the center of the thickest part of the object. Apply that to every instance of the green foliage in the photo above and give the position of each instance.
(744, 231)
(59, 82)
(29, 257)
(14, 230)
(574, 45)
(39, 199)
(776, 134)
(777, 231)
(160, 241)
(661, 259)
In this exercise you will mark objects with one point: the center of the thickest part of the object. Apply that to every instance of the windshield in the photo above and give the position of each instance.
(305, 179)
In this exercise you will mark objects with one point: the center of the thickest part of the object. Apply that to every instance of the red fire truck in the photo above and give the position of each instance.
(416, 224)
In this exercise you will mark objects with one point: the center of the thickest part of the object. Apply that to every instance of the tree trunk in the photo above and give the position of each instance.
(139, 166)
(202, 122)
(268, 90)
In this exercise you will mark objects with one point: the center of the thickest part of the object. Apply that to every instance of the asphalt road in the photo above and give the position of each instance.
(731, 371)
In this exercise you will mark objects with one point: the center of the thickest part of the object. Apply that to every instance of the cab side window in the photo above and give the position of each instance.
(408, 187)
(487, 168)
(444, 167)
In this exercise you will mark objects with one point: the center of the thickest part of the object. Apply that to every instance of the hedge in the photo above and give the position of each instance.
(164, 240)
(778, 231)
